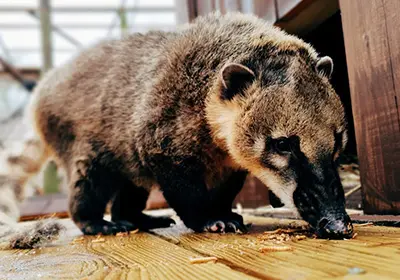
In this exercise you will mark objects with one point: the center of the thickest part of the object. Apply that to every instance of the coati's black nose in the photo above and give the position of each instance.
(335, 227)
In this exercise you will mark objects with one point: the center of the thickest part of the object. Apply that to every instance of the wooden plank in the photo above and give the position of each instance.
(147, 256)
(373, 59)
(306, 15)
(137, 256)
(254, 194)
(285, 6)
(374, 250)
(44, 205)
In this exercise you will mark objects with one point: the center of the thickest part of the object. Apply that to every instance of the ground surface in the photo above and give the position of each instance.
(166, 254)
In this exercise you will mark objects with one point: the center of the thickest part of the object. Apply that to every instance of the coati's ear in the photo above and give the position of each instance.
(235, 79)
(325, 66)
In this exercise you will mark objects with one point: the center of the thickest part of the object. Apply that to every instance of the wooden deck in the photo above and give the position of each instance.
(166, 254)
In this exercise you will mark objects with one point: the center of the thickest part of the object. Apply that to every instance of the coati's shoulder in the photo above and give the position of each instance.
(239, 30)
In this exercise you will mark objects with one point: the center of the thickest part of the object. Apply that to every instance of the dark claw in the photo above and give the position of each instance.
(232, 224)
(237, 227)
(215, 227)
(231, 227)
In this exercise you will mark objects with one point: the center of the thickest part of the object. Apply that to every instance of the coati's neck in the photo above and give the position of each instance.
(221, 116)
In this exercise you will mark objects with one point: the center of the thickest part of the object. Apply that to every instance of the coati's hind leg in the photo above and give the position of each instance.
(222, 198)
(128, 205)
(92, 187)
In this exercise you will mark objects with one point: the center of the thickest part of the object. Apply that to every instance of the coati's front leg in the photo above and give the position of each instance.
(222, 198)
(128, 205)
(91, 189)
(182, 181)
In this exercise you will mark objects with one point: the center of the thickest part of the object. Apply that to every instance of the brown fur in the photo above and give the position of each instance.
(155, 99)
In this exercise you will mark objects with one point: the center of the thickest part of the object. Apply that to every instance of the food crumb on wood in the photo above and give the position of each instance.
(356, 270)
(282, 235)
(134, 231)
(98, 240)
(79, 239)
(300, 237)
(122, 234)
(283, 230)
(273, 248)
(198, 260)
(365, 224)
(354, 235)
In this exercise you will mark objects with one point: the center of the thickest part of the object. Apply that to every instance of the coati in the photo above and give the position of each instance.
(193, 111)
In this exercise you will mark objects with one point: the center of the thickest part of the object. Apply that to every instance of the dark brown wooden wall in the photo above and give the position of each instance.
(372, 42)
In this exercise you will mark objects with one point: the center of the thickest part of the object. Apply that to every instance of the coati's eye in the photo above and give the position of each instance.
(283, 145)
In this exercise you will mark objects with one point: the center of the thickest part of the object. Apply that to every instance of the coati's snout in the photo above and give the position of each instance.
(319, 199)
(317, 193)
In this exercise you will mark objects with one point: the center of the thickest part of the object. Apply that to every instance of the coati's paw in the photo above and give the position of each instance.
(105, 227)
(149, 222)
(232, 224)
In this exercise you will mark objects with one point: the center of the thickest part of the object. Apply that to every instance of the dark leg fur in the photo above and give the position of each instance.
(223, 196)
(128, 205)
(92, 186)
(222, 199)
(182, 181)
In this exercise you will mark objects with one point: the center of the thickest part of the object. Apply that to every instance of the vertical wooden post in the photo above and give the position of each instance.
(185, 10)
(205, 6)
(123, 21)
(233, 5)
(372, 42)
(59, 31)
(266, 9)
(45, 26)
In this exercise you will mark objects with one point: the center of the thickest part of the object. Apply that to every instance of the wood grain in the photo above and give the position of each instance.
(372, 43)
(310, 259)
(138, 256)
(166, 255)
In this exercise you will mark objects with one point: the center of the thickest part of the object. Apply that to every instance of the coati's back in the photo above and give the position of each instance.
(78, 100)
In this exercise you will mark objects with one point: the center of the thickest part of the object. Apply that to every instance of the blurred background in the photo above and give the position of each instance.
(37, 35)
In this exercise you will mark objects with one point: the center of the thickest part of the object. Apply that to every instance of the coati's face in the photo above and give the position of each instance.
(289, 133)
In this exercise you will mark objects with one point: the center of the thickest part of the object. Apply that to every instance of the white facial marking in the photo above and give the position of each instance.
(259, 147)
(277, 133)
(278, 161)
(283, 191)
